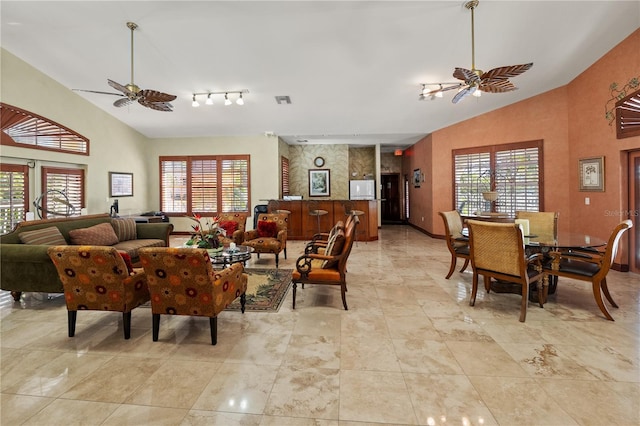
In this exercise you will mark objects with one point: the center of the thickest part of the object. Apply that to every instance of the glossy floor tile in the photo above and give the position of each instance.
(409, 351)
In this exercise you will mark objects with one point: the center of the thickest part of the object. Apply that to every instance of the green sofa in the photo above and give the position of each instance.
(25, 267)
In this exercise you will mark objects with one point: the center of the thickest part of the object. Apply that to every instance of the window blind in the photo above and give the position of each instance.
(14, 195)
(69, 185)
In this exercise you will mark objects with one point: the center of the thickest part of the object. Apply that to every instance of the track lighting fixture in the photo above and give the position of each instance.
(227, 101)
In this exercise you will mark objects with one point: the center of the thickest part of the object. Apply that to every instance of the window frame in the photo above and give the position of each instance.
(10, 224)
(285, 186)
(77, 174)
(492, 151)
(188, 187)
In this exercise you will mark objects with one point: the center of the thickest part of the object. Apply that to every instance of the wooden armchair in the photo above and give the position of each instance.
(329, 268)
(453, 235)
(235, 226)
(497, 251)
(542, 224)
(97, 278)
(270, 236)
(182, 281)
(319, 241)
(591, 267)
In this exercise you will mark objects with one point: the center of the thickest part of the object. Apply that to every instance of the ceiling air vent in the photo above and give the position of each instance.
(283, 100)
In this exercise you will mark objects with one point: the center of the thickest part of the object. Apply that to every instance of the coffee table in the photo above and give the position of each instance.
(228, 256)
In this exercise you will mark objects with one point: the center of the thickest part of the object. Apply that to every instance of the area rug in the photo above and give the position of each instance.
(266, 289)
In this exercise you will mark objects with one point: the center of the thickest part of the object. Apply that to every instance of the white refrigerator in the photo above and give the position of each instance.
(362, 189)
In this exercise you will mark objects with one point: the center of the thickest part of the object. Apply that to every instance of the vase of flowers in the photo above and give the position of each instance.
(205, 234)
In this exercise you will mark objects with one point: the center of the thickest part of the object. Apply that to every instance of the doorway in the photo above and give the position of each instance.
(391, 204)
(634, 211)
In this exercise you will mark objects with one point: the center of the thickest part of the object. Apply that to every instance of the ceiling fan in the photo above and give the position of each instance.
(476, 81)
(131, 93)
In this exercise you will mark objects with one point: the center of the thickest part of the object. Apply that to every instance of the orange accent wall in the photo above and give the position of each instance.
(571, 122)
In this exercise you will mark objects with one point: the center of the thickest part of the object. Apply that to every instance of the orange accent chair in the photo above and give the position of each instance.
(97, 278)
(270, 235)
(237, 236)
(182, 281)
(330, 267)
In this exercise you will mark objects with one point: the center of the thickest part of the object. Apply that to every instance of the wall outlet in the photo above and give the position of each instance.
(586, 201)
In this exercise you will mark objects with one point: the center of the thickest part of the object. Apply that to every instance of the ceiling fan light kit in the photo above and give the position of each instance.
(475, 81)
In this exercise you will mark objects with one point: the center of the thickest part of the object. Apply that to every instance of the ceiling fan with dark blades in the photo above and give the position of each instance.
(476, 81)
(131, 93)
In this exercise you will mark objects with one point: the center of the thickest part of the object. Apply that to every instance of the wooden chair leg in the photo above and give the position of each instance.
(156, 326)
(598, 296)
(605, 290)
(276, 260)
(343, 290)
(243, 301)
(126, 324)
(213, 324)
(466, 263)
(295, 287)
(474, 290)
(525, 301)
(452, 267)
(71, 320)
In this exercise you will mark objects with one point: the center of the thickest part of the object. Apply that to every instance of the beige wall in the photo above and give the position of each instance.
(27, 88)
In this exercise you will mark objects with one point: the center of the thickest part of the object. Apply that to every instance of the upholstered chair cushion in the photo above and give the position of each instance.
(229, 226)
(125, 229)
(234, 224)
(50, 236)
(97, 235)
(334, 248)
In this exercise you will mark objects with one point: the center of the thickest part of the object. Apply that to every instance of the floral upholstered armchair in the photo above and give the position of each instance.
(98, 278)
(234, 225)
(182, 281)
(270, 236)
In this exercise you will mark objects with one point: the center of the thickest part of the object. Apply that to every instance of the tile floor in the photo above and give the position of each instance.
(410, 350)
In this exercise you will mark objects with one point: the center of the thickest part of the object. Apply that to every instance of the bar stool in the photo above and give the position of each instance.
(274, 207)
(316, 212)
(348, 211)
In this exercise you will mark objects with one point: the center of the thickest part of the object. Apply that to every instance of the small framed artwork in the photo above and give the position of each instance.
(591, 174)
(319, 183)
(417, 178)
(120, 184)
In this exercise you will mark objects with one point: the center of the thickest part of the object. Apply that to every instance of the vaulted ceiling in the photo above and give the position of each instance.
(353, 70)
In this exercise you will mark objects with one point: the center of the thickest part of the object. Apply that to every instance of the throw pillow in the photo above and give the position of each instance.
(334, 248)
(97, 235)
(127, 260)
(125, 229)
(267, 229)
(229, 226)
(50, 236)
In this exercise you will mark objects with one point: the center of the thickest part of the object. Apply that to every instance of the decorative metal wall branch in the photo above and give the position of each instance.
(617, 94)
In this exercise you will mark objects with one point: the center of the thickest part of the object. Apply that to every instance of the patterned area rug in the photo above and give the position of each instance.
(265, 290)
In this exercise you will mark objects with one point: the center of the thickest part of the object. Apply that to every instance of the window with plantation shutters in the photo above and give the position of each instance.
(28, 130)
(204, 184)
(284, 164)
(514, 171)
(63, 191)
(14, 195)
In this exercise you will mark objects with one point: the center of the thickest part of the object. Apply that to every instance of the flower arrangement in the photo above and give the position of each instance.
(205, 234)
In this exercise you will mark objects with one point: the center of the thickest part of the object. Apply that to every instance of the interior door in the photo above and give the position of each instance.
(391, 200)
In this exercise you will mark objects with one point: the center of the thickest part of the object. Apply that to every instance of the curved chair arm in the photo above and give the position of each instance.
(282, 236)
(304, 263)
(251, 234)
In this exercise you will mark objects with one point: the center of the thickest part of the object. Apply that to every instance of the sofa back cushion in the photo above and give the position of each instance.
(98, 235)
(50, 236)
(125, 229)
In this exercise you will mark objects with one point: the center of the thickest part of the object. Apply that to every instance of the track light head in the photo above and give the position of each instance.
(195, 103)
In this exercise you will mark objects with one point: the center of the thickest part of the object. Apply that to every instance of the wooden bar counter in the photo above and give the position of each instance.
(302, 225)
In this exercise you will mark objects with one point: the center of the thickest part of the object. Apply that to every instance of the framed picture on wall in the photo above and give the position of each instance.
(417, 178)
(591, 174)
(120, 184)
(319, 183)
